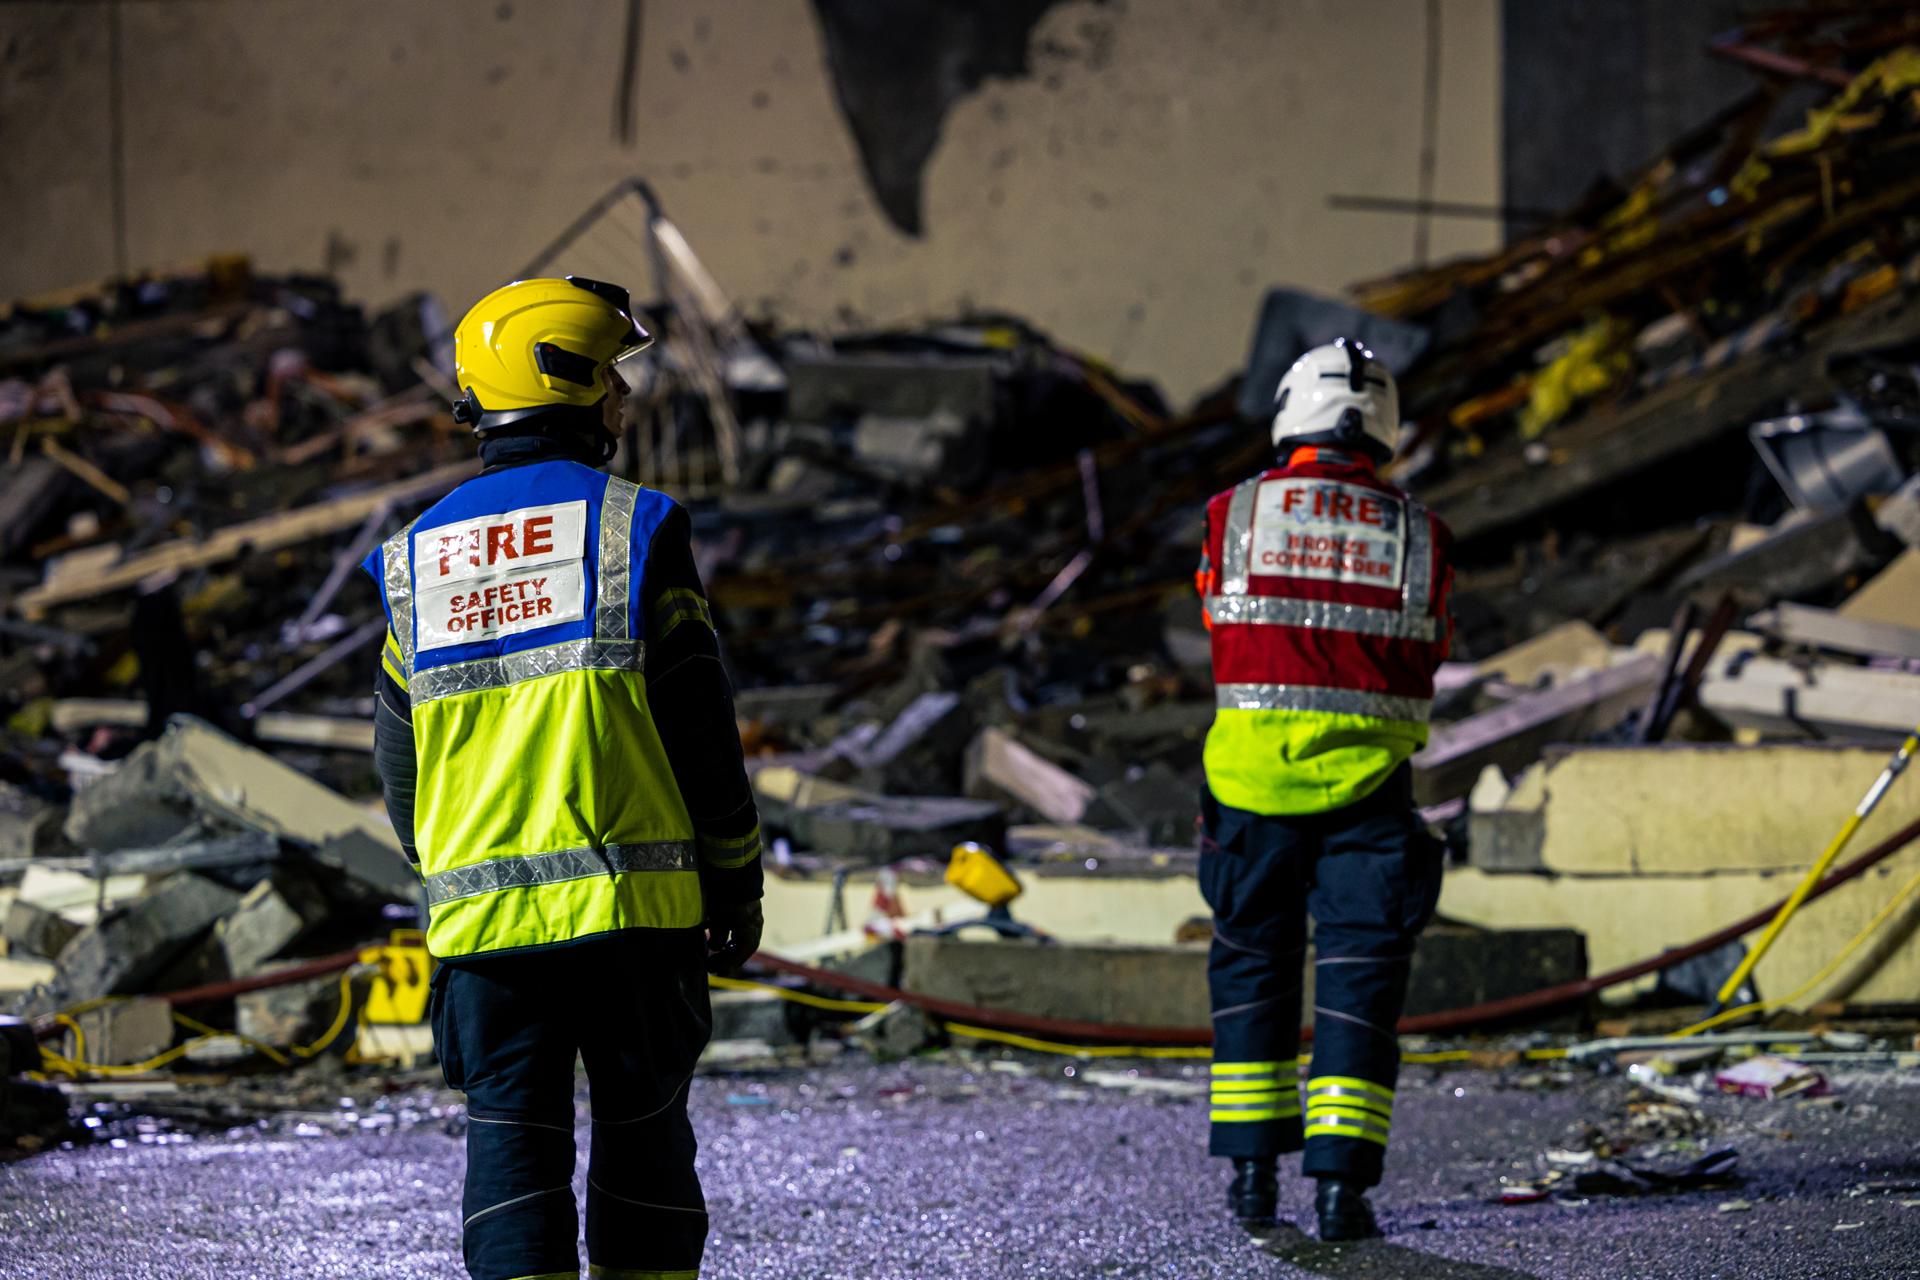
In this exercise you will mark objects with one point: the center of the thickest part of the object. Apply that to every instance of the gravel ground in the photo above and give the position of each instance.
(942, 1167)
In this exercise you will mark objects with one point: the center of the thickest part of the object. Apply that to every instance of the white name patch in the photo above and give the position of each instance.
(500, 575)
(1329, 530)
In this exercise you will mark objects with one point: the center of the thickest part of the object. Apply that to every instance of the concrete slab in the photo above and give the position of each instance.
(1146, 986)
(1892, 595)
(1687, 809)
(33, 931)
(1626, 918)
(122, 1033)
(1167, 986)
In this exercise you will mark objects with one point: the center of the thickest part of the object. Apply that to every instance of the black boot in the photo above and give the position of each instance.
(1254, 1192)
(1344, 1211)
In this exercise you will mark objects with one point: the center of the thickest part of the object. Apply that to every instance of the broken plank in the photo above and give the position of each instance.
(1512, 735)
(1830, 700)
(268, 533)
(342, 733)
(1824, 629)
(999, 759)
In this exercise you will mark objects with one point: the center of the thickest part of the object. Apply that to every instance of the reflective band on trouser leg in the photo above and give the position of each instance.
(1247, 1091)
(618, 1273)
(1348, 1107)
(730, 851)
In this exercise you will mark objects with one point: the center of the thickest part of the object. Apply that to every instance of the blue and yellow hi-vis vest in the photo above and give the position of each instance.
(545, 810)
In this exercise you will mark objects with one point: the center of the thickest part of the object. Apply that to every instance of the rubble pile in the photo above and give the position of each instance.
(952, 565)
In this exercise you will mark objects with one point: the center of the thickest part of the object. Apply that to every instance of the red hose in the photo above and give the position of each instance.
(1445, 1020)
(278, 978)
(45, 1028)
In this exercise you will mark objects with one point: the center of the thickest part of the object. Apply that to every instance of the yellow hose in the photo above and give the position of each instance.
(1731, 987)
(77, 1065)
(1767, 1006)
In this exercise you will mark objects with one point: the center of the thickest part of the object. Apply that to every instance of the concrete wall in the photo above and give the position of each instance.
(1158, 166)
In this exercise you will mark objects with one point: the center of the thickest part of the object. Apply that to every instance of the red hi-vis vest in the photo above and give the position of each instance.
(1326, 592)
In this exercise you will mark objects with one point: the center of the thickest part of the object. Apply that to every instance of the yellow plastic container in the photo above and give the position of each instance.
(978, 874)
(399, 993)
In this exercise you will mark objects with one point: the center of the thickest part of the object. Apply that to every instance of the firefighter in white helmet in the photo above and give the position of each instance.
(1326, 593)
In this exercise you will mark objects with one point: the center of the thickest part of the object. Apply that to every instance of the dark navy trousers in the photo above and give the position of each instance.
(633, 1007)
(1369, 876)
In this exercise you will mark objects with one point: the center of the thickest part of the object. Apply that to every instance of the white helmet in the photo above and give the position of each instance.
(1338, 394)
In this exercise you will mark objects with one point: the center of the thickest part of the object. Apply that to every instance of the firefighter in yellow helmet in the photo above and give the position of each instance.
(555, 738)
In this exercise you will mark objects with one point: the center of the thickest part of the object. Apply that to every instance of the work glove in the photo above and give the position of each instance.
(733, 935)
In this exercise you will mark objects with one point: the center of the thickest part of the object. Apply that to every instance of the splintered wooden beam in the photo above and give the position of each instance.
(268, 533)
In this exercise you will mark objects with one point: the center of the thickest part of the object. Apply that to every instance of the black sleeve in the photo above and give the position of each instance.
(393, 755)
(692, 707)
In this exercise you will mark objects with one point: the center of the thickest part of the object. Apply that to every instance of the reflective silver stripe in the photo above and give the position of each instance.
(1413, 621)
(1376, 1131)
(1285, 611)
(1348, 1096)
(531, 869)
(1236, 550)
(1416, 590)
(1307, 697)
(611, 614)
(526, 664)
(397, 567)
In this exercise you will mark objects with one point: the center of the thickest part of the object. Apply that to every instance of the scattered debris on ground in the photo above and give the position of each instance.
(952, 566)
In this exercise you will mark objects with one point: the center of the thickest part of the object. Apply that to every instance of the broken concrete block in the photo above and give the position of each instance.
(29, 826)
(886, 828)
(1001, 762)
(1505, 823)
(1155, 802)
(116, 955)
(122, 1032)
(269, 917)
(196, 776)
(301, 1013)
(36, 931)
(1454, 966)
(896, 1032)
(140, 803)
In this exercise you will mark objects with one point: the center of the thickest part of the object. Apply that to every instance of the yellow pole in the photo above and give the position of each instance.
(1732, 985)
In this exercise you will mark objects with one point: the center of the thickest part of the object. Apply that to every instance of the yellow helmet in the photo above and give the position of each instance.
(535, 345)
